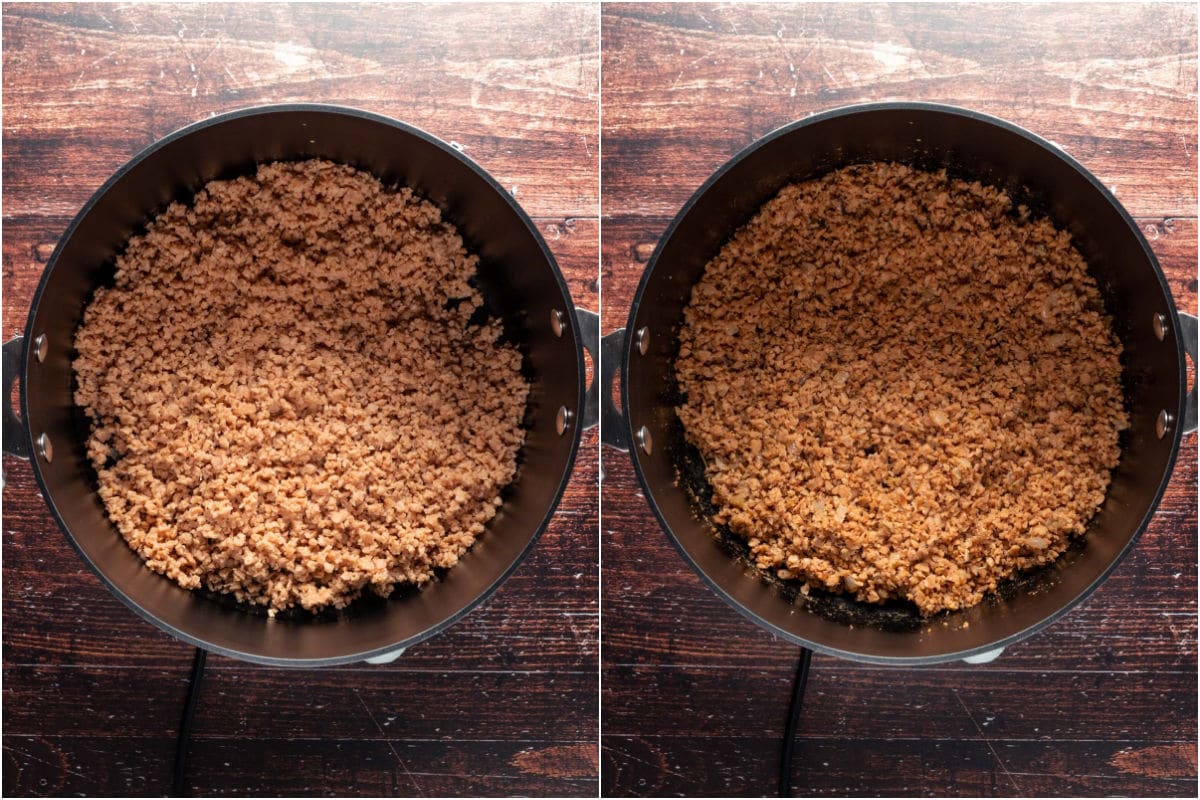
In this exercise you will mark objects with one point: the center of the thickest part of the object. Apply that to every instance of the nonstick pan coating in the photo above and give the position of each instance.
(970, 146)
(520, 282)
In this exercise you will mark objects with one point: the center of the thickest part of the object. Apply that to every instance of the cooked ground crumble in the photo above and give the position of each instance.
(902, 387)
(289, 399)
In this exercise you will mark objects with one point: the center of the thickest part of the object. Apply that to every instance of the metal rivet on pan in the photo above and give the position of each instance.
(1160, 326)
(45, 448)
(1162, 426)
(557, 322)
(563, 420)
(40, 345)
(645, 440)
(643, 340)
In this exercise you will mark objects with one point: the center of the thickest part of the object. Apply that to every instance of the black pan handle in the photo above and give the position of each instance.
(589, 332)
(16, 437)
(613, 429)
(1188, 330)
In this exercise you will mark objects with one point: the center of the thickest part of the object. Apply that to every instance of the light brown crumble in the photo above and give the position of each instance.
(288, 401)
(901, 386)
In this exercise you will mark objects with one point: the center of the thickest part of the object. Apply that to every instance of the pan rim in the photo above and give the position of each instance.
(628, 348)
(494, 185)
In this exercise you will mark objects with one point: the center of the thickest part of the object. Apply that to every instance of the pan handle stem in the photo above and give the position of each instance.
(1188, 330)
(589, 333)
(985, 657)
(386, 658)
(613, 428)
(16, 437)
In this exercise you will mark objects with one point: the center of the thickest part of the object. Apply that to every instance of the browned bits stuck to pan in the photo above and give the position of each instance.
(902, 386)
(290, 402)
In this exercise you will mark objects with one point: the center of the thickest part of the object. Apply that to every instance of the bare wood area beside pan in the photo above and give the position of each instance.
(1103, 701)
(92, 694)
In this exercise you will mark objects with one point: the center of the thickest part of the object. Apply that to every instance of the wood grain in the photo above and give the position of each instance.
(665, 766)
(1115, 87)
(694, 695)
(923, 704)
(502, 703)
(245, 704)
(378, 767)
(516, 88)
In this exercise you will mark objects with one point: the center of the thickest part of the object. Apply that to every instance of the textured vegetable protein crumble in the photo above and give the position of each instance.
(290, 400)
(902, 387)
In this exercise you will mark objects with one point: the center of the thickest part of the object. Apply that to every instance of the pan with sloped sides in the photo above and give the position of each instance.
(971, 146)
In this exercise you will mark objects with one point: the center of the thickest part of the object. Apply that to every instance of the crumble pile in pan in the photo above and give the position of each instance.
(902, 386)
(290, 401)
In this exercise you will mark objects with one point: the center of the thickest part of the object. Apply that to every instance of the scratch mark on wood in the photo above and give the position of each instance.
(985, 738)
(631, 757)
(391, 746)
(63, 767)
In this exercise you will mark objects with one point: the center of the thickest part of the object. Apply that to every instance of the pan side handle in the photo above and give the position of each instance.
(589, 333)
(1187, 328)
(613, 428)
(16, 436)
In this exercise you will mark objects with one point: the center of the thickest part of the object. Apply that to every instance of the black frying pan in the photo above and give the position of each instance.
(971, 146)
(520, 281)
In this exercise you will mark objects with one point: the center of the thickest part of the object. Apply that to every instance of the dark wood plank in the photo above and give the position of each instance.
(341, 703)
(665, 766)
(712, 702)
(687, 86)
(378, 767)
(516, 88)
(503, 702)
(1102, 702)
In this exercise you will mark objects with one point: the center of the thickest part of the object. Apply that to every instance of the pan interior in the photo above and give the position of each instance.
(520, 284)
(969, 147)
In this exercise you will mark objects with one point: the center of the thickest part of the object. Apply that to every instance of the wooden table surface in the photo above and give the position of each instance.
(501, 703)
(694, 696)
(1101, 703)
